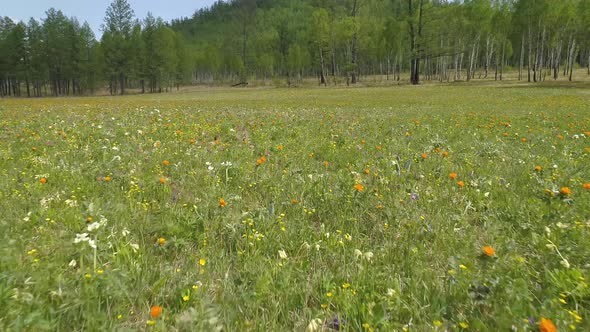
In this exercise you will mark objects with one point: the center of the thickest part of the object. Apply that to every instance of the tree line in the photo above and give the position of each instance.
(333, 40)
(59, 56)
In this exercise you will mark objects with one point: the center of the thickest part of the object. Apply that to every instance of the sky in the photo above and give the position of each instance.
(93, 11)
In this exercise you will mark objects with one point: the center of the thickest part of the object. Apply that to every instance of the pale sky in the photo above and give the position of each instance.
(93, 11)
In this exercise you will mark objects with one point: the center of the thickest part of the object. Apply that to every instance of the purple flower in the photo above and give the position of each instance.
(531, 321)
(336, 323)
(414, 196)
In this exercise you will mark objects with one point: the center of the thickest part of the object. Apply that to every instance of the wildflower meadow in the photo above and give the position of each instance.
(430, 208)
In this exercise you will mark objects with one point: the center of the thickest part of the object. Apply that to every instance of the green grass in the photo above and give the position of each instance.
(296, 241)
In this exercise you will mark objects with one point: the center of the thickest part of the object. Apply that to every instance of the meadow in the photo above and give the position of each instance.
(429, 208)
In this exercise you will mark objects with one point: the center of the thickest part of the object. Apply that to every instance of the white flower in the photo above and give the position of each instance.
(72, 263)
(315, 325)
(125, 232)
(71, 202)
(134, 246)
(28, 217)
(565, 263)
(282, 254)
(93, 226)
(368, 256)
(390, 292)
(226, 164)
(358, 253)
(92, 243)
(81, 238)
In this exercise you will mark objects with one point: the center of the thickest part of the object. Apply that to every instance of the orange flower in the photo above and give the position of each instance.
(560, 137)
(523, 140)
(359, 187)
(489, 251)
(547, 325)
(437, 150)
(43, 180)
(155, 311)
(453, 176)
(107, 178)
(587, 133)
(294, 201)
(89, 219)
(261, 160)
(461, 184)
(587, 186)
(505, 134)
(565, 191)
(166, 162)
(367, 171)
(445, 154)
(222, 203)
(34, 148)
(280, 147)
(538, 168)
(326, 164)
(192, 141)
(424, 155)
(163, 180)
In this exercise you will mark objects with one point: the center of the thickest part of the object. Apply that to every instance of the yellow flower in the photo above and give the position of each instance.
(185, 298)
(345, 285)
(463, 325)
(329, 294)
(151, 322)
(437, 323)
(202, 262)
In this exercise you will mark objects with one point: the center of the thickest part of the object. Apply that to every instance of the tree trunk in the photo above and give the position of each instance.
(322, 75)
(572, 57)
(353, 50)
(541, 56)
(502, 60)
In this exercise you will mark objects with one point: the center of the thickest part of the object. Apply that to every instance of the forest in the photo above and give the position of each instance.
(333, 41)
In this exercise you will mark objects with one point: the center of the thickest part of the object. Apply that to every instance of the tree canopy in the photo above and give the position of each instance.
(333, 40)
